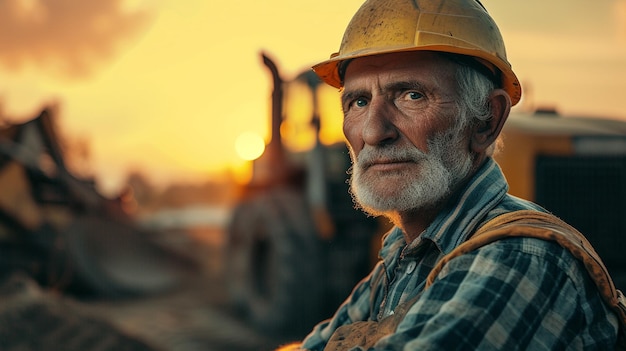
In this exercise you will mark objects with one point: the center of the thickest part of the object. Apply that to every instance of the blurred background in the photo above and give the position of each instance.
(173, 175)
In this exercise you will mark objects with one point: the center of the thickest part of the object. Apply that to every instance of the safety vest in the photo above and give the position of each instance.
(525, 223)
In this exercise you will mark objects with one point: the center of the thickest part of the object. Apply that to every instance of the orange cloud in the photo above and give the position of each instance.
(67, 37)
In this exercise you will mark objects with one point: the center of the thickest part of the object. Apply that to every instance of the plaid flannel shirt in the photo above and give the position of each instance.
(514, 294)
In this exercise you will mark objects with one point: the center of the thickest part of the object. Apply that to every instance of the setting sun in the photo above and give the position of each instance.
(249, 146)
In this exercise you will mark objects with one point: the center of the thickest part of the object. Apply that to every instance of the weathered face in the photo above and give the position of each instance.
(400, 114)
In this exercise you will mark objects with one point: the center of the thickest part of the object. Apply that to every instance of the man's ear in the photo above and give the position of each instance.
(486, 132)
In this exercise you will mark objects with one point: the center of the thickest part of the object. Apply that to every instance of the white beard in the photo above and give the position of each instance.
(441, 169)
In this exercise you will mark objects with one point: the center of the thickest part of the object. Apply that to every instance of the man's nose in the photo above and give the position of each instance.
(379, 127)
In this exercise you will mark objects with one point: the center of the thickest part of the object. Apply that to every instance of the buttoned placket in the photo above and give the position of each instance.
(406, 266)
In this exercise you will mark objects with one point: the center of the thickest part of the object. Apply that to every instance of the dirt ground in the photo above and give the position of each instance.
(190, 317)
(194, 317)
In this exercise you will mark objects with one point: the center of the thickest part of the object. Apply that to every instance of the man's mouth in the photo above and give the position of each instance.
(387, 164)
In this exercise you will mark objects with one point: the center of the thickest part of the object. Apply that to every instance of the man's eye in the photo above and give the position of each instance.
(413, 95)
(360, 102)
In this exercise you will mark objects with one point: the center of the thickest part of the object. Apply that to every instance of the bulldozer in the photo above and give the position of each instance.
(58, 230)
(297, 245)
(65, 249)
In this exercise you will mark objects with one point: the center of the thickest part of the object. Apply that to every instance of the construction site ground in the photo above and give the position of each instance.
(190, 317)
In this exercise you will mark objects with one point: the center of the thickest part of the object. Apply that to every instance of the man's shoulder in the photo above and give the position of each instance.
(528, 248)
(541, 252)
(528, 232)
(511, 203)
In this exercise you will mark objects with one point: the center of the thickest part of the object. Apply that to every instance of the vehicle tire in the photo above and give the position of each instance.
(276, 268)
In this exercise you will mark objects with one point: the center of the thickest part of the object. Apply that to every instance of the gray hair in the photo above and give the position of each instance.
(473, 105)
(474, 89)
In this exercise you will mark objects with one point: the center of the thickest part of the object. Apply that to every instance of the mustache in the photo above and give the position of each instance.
(371, 155)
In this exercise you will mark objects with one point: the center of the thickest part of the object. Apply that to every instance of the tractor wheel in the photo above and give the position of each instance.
(276, 268)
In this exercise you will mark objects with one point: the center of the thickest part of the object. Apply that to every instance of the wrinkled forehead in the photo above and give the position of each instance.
(435, 62)
(417, 68)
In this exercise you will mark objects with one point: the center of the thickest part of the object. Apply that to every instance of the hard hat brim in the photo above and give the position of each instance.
(329, 70)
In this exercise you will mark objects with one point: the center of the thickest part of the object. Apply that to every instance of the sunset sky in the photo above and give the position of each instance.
(167, 86)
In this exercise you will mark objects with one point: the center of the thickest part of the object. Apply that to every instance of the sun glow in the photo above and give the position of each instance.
(249, 146)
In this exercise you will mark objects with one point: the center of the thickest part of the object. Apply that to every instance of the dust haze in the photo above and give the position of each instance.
(70, 38)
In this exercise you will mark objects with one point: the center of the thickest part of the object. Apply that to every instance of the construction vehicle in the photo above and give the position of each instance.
(57, 229)
(296, 244)
(294, 228)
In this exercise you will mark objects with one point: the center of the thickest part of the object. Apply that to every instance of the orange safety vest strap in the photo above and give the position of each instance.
(528, 223)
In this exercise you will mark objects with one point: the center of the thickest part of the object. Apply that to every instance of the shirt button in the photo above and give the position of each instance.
(411, 267)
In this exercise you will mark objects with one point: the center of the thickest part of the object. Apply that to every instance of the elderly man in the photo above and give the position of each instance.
(426, 90)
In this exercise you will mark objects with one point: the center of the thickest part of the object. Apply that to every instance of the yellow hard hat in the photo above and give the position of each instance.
(453, 26)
